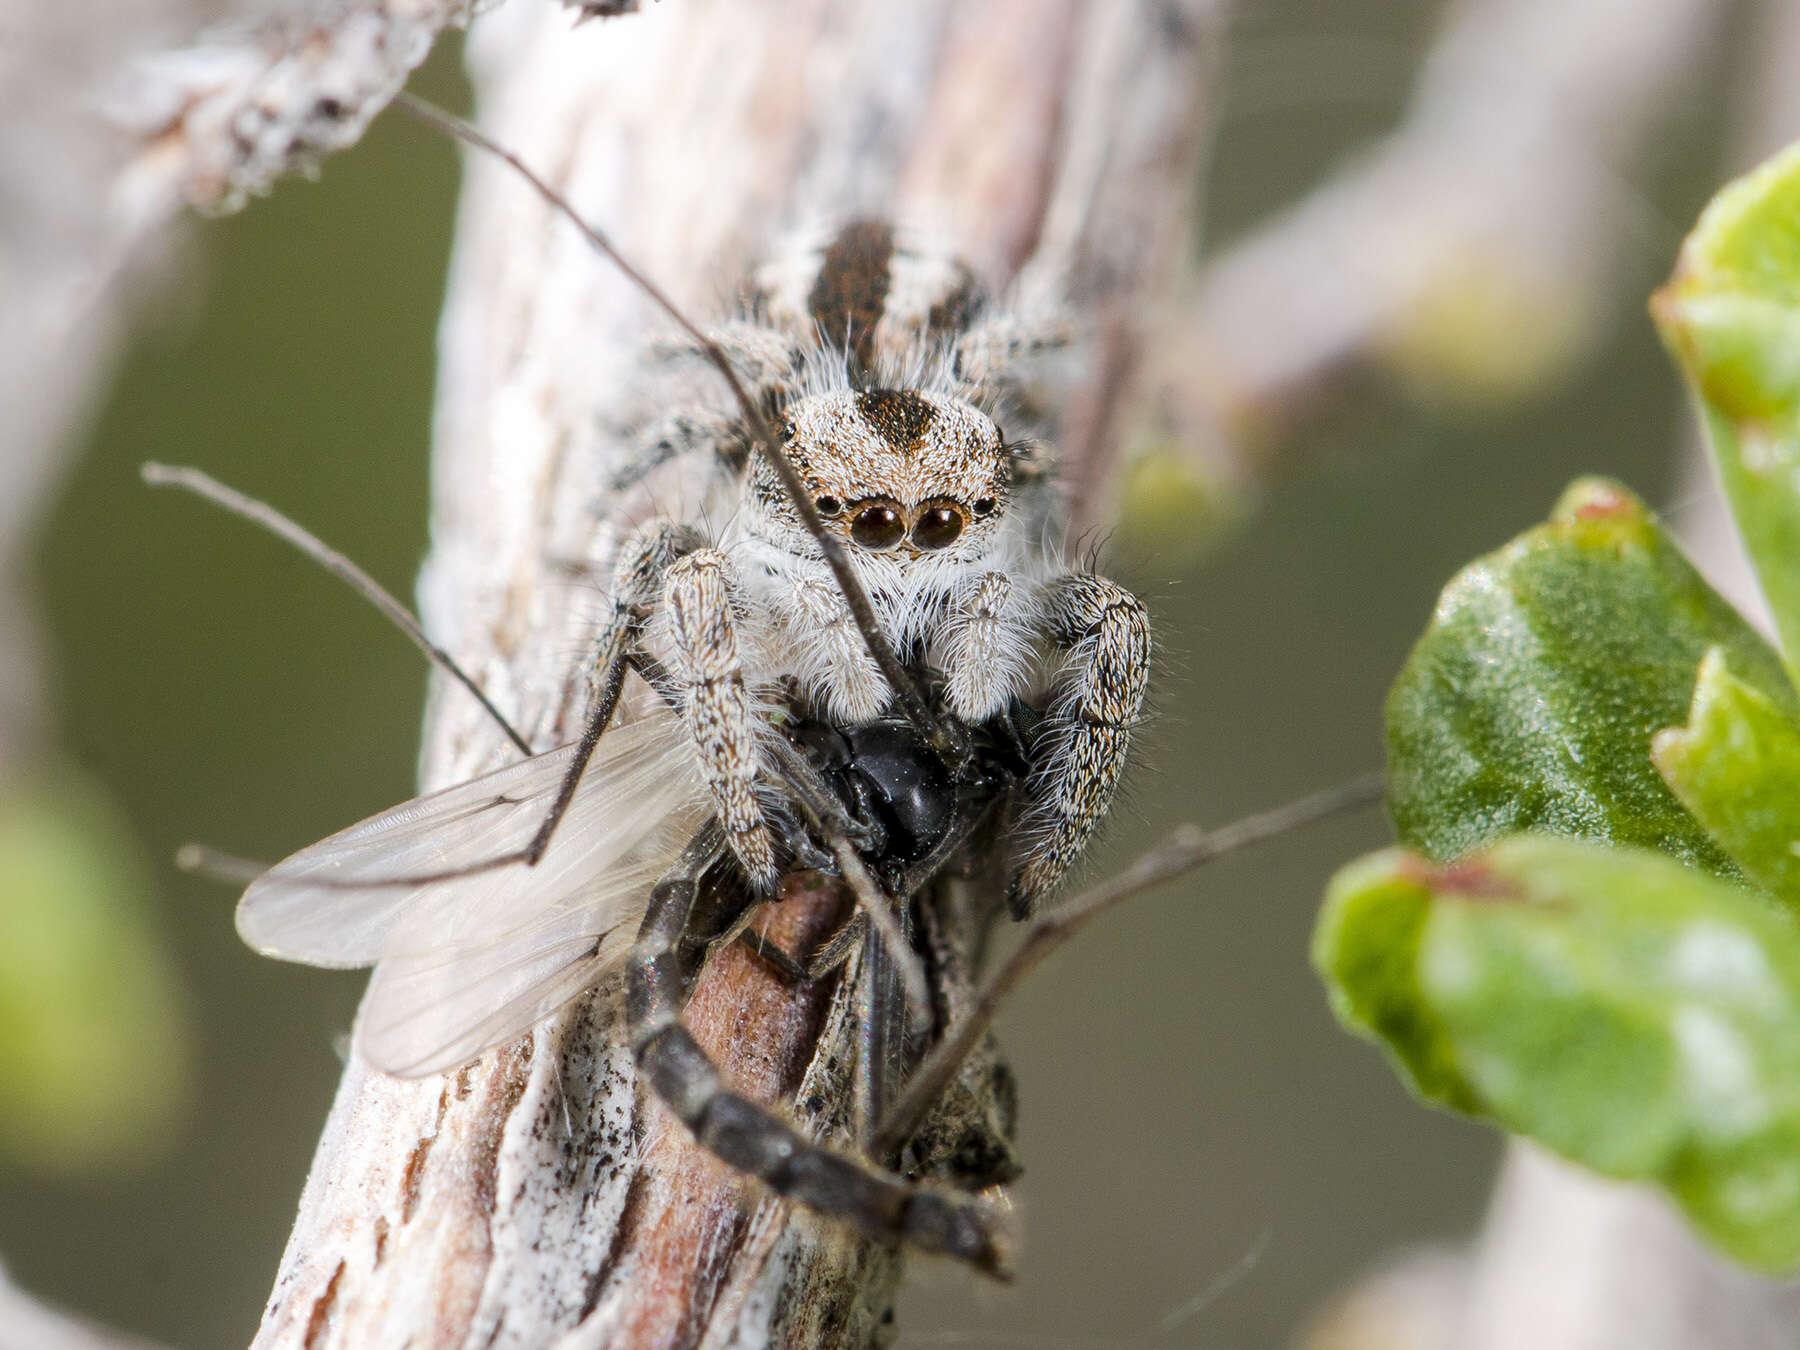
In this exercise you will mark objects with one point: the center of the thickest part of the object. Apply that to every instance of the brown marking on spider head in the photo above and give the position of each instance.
(851, 290)
(901, 417)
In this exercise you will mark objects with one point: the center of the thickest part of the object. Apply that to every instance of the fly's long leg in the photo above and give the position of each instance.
(747, 1136)
(205, 486)
(1186, 849)
(886, 920)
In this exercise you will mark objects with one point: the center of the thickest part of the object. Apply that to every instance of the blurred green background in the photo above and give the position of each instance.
(1187, 1100)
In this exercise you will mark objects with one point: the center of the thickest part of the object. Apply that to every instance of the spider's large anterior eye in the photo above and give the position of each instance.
(877, 527)
(827, 505)
(936, 527)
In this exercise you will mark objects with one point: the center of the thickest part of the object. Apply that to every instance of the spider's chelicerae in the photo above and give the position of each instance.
(899, 390)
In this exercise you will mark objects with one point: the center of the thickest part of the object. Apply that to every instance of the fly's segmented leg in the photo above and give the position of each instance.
(837, 656)
(745, 1135)
(983, 648)
(1086, 734)
(827, 959)
(722, 718)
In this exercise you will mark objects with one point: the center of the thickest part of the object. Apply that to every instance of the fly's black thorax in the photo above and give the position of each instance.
(917, 811)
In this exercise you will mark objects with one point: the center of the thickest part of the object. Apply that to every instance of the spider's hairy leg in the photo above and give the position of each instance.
(762, 356)
(700, 595)
(1003, 339)
(1106, 631)
(646, 555)
(983, 648)
(663, 962)
(645, 558)
(676, 437)
(855, 689)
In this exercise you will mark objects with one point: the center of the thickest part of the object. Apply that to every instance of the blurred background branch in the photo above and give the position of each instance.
(26, 1324)
(1474, 251)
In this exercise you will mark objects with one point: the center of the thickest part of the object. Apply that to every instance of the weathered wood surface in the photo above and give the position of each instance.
(535, 1198)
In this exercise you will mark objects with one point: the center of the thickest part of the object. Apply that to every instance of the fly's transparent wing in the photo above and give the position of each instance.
(466, 963)
(428, 1014)
(325, 905)
(434, 1011)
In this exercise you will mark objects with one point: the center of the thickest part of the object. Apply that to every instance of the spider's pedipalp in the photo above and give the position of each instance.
(721, 714)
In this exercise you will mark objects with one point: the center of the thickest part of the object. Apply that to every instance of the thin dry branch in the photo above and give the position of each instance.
(534, 1198)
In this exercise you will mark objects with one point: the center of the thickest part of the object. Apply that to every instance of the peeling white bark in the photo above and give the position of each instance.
(533, 1199)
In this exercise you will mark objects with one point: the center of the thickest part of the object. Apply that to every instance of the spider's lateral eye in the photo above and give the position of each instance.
(827, 505)
(937, 527)
(984, 506)
(877, 527)
(787, 429)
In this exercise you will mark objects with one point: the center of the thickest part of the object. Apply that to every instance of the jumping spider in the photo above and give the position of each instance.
(777, 740)
(883, 366)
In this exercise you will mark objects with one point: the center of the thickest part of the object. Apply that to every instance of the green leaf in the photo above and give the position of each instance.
(1530, 701)
(1731, 315)
(1736, 766)
(1633, 1014)
(93, 1055)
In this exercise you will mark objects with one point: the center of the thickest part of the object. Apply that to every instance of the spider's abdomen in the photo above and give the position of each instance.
(869, 290)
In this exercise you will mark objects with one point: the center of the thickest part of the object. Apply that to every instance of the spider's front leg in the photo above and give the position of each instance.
(1086, 733)
(681, 920)
(702, 600)
(675, 437)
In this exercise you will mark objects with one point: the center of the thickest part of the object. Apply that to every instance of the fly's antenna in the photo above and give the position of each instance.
(1187, 848)
(947, 738)
(260, 513)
